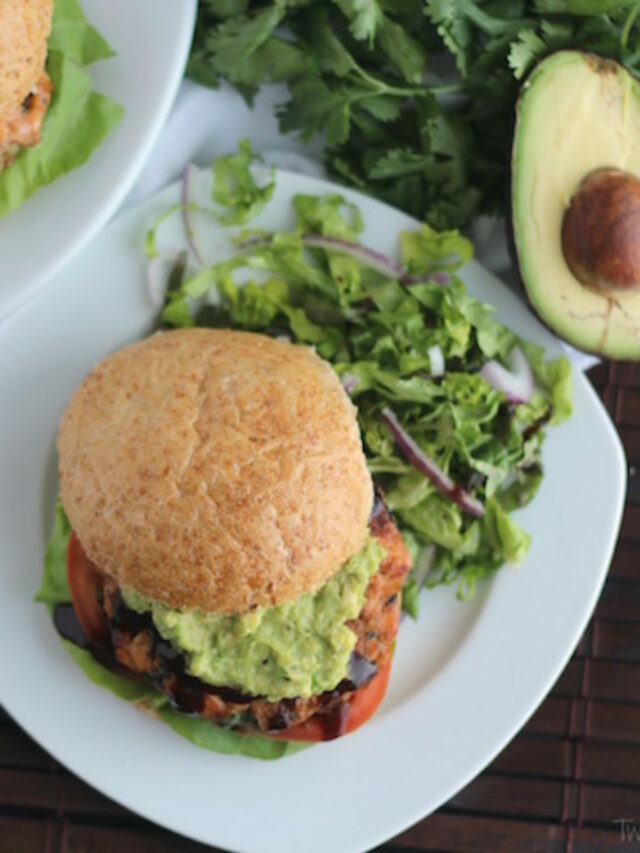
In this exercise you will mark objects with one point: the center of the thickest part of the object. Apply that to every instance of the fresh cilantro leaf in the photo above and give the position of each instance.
(234, 42)
(524, 52)
(320, 40)
(364, 17)
(397, 162)
(316, 108)
(382, 107)
(407, 54)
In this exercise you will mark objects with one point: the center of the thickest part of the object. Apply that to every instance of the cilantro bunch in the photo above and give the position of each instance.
(416, 97)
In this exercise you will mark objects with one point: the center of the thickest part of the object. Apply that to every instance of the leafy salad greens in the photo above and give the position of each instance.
(405, 338)
(416, 98)
(78, 118)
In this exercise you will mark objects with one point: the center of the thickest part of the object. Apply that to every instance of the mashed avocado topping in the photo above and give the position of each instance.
(298, 648)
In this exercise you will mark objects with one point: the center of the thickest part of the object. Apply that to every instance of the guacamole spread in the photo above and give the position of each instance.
(298, 648)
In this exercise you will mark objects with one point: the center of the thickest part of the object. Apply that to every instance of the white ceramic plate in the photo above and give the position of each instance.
(152, 40)
(465, 676)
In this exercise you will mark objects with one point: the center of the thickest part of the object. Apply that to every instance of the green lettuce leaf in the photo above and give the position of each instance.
(125, 688)
(72, 35)
(510, 540)
(428, 251)
(76, 123)
(554, 377)
(200, 732)
(217, 739)
(54, 588)
(235, 187)
(78, 119)
(330, 215)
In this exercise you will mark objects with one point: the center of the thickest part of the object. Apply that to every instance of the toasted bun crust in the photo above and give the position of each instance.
(24, 29)
(215, 470)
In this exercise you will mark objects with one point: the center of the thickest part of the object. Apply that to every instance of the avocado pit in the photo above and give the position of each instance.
(601, 231)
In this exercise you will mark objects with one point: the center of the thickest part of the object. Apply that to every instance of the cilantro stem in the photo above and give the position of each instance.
(383, 88)
(628, 24)
(449, 89)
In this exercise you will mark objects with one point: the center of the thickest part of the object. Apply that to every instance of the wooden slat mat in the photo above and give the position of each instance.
(570, 781)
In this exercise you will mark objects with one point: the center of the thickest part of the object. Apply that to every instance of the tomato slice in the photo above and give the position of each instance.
(84, 582)
(361, 706)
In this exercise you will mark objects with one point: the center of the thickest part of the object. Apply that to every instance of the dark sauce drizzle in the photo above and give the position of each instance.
(537, 425)
(186, 693)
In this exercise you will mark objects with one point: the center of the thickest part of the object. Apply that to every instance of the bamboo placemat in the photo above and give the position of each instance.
(570, 781)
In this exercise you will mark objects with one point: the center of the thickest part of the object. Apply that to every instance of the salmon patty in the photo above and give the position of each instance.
(141, 651)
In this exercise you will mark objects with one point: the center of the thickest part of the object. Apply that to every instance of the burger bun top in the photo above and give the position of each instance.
(215, 470)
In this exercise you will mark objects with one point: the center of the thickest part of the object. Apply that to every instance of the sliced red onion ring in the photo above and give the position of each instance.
(349, 382)
(419, 459)
(187, 178)
(158, 272)
(436, 361)
(517, 384)
(370, 258)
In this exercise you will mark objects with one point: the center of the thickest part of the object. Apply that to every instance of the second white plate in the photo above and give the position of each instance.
(152, 40)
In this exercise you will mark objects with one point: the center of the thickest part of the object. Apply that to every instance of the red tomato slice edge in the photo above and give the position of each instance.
(362, 706)
(84, 582)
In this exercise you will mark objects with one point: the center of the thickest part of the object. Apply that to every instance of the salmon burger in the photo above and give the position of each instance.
(228, 546)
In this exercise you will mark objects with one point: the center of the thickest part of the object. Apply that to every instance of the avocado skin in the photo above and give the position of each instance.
(619, 337)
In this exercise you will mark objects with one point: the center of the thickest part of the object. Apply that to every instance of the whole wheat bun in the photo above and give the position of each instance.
(215, 470)
(24, 29)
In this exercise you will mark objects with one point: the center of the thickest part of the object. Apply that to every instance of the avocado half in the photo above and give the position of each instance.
(575, 194)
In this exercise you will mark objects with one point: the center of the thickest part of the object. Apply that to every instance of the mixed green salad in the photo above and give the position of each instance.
(78, 118)
(451, 403)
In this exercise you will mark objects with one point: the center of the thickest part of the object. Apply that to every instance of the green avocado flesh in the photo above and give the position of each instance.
(298, 648)
(577, 113)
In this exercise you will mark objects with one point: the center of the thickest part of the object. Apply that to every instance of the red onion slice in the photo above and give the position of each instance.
(517, 384)
(349, 382)
(436, 361)
(187, 178)
(419, 459)
(370, 258)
